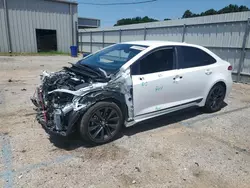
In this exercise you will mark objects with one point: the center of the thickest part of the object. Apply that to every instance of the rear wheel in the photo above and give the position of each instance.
(215, 98)
(101, 123)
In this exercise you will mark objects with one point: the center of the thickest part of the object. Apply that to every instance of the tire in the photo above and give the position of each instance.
(215, 98)
(101, 123)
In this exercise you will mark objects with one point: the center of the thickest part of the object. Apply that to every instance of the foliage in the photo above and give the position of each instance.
(187, 14)
(228, 9)
(136, 20)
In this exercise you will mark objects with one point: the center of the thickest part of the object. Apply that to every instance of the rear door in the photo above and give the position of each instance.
(195, 71)
(153, 86)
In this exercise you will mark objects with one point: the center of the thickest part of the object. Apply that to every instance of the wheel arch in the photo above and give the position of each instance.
(121, 104)
(207, 105)
(220, 81)
(100, 96)
(108, 96)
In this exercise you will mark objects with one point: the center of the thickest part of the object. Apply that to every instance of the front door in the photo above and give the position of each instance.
(153, 86)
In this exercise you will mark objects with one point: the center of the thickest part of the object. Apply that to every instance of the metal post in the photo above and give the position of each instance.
(145, 33)
(72, 23)
(91, 41)
(120, 35)
(7, 25)
(81, 41)
(77, 37)
(183, 34)
(103, 39)
(243, 52)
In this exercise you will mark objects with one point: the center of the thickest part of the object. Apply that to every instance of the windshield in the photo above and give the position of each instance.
(112, 58)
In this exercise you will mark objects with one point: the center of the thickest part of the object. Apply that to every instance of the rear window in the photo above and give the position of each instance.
(194, 57)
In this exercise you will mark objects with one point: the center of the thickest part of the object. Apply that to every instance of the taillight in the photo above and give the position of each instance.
(230, 68)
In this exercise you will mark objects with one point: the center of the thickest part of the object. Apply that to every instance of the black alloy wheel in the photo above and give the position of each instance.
(215, 98)
(101, 123)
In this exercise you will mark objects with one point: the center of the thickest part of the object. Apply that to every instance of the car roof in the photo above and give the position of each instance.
(156, 43)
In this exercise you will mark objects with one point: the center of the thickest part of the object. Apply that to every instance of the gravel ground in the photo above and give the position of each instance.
(184, 149)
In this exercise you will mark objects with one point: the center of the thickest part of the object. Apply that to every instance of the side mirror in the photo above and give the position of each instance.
(135, 68)
(86, 54)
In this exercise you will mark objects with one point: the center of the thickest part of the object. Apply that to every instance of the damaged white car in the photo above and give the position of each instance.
(126, 83)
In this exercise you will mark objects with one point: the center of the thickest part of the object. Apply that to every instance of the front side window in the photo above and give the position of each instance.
(194, 57)
(158, 61)
(111, 59)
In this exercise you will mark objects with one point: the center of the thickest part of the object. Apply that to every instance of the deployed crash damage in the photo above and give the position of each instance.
(63, 97)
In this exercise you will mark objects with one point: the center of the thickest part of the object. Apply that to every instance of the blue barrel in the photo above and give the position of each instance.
(73, 50)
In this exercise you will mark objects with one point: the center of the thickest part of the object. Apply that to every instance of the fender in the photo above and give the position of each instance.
(202, 103)
(92, 98)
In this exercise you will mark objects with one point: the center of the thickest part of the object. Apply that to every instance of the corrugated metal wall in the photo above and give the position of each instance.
(223, 34)
(3, 31)
(25, 16)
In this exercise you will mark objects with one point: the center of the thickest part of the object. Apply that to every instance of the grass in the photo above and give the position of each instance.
(51, 53)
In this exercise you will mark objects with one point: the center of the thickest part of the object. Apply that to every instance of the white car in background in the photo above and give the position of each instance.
(127, 83)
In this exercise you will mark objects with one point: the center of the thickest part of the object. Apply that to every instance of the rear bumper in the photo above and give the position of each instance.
(229, 85)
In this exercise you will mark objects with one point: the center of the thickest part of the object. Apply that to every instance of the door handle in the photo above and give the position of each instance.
(177, 77)
(208, 72)
(141, 78)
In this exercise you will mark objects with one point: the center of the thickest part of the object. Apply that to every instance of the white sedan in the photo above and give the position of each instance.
(127, 83)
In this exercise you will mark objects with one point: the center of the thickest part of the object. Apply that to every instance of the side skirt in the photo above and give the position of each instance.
(144, 117)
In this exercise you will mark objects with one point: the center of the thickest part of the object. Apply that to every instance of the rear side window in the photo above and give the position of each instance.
(194, 57)
(161, 60)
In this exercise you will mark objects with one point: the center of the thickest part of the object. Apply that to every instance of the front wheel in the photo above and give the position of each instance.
(215, 98)
(101, 123)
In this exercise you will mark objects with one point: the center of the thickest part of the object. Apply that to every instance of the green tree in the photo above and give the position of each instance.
(243, 8)
(209, 12)
(228, 9)
(187, 14)
(233, 8)
(136, 20)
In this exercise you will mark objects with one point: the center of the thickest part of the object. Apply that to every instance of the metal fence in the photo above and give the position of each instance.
(227, 35)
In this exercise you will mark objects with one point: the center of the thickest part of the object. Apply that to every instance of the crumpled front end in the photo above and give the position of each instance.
(54, 119)
(64, 96)
(57, 101)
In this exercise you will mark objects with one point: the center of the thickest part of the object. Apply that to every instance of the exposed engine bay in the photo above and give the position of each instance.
(62, 97)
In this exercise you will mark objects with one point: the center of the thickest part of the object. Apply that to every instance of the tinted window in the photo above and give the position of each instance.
(161, 60)
(194, 57)
(112, 58)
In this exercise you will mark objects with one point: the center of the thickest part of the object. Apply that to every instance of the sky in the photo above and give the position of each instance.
(160, 9)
